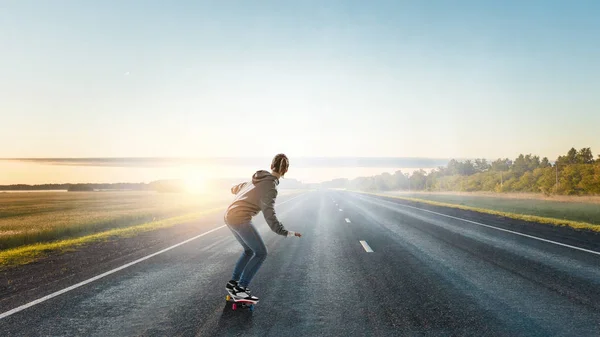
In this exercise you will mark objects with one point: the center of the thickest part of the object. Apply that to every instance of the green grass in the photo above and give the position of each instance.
(582, 212)
(34, 224)
(30, 253)
(30, 218)
(576, 215)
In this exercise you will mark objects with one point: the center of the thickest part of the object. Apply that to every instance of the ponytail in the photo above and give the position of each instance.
(280, 164)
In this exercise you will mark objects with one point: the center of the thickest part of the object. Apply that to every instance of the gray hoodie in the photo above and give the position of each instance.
(254, 197)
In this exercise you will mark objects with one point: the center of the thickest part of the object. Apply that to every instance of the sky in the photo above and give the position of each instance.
(307, 78)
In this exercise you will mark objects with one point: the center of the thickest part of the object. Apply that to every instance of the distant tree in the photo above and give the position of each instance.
(588, 183)
(389, 181)
(418, 179)
(525, 163)
(520, 165)
(466, 168)
(81, 188)
(441, 170)
(501, 165)
(545, 163)
(453, 167)
(578, 173)
(525, 183)
(572, 156)
(546, 182)
(481, 165)
(533, 162)
(585, 156)
(400, 180)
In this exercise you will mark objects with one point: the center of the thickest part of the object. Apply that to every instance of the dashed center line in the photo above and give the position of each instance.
(347, 220)
(366, 246)
(341, 209)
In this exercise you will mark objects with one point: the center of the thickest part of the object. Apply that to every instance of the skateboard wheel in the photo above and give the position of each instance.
(251, 307)
(234, 306)
(227, 298)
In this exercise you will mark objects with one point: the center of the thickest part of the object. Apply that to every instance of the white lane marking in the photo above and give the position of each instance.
(366, 246)
(341, 209)
(47, 297)
(503, 230)
(283, 202)
(347, 220)
(97, 277)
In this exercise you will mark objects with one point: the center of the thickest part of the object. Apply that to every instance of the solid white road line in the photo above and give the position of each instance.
(283, 202)
(97, 277)
(75, 286)
(366, 246)
(502, 229)
(347, 220)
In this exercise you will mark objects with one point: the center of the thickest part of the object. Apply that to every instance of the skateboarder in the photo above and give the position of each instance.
(251, 198)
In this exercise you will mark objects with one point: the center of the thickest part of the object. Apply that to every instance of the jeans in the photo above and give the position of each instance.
(255, 252)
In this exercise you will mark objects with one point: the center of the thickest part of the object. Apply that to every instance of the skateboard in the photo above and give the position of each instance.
(244, 303)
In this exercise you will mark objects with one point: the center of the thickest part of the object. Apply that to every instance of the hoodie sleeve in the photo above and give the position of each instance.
(267, 205)
(235, 189)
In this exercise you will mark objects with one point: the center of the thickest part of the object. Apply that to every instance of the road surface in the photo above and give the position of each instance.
(365, 266)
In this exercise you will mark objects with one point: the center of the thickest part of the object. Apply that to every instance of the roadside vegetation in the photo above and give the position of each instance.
(576, 173)
(41, 217)
(576, 215)
(565, 192)
(29, 253)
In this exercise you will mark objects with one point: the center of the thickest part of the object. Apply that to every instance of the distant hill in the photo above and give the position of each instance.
(66, 187)
(81, 188)
(165, 186)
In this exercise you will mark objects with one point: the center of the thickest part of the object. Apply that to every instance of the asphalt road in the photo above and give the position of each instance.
(427, 275)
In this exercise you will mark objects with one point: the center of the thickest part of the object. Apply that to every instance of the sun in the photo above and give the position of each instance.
(195, 184)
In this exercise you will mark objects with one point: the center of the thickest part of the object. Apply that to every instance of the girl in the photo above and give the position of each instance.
(250, 199)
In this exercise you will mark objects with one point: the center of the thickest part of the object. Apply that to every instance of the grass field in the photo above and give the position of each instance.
(29, 218)
(588, 210)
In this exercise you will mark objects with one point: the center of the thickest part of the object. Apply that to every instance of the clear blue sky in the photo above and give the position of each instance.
(309, 78)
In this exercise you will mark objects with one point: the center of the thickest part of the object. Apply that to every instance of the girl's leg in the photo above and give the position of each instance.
(244, 258)
(252, 239)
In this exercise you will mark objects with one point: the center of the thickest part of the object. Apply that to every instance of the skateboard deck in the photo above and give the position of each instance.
(242, 302)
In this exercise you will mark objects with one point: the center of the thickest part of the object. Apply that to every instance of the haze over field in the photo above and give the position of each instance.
(113, 170)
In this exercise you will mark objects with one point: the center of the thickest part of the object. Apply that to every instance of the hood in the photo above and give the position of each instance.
(263, 175)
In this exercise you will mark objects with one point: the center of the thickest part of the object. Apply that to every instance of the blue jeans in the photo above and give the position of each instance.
(255, 252)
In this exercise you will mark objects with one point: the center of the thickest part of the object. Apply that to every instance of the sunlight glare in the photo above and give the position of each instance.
(195, 184)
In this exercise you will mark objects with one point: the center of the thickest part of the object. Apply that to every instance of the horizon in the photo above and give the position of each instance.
(197, 170)
(200, 171)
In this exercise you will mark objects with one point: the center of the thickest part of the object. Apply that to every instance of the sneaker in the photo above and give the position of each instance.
(243, 293)
(230, 285)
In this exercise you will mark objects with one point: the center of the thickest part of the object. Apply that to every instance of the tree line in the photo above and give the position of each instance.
(576, 173)
(75, 187)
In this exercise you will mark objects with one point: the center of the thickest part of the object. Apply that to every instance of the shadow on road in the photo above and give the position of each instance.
(235, 321)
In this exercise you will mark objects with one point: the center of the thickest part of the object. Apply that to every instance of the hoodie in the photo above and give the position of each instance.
(251, 198)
